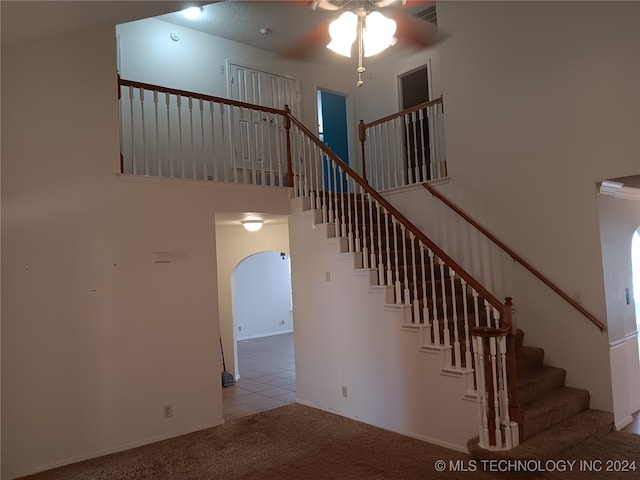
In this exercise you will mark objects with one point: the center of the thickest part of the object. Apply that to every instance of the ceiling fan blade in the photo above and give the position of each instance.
(413, 31)
(311, 44)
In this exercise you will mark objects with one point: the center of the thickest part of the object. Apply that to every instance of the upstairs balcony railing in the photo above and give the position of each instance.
(171, 133)
(405, 148)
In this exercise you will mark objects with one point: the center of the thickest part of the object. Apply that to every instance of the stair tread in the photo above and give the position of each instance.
(551, 409)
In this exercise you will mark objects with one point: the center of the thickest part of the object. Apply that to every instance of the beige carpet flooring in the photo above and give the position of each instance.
(299, 442)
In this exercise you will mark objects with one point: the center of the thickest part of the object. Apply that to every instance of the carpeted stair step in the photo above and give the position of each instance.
(533, 384)
(552, 409)
(528, 358)
(580, 429)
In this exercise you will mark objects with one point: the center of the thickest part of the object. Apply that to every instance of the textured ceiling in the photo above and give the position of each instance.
(27, 20)
(242, 21)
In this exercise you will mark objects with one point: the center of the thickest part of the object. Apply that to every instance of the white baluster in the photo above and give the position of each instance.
(144, 134)
(422, 145)
(205, 170)
(365, 247)
(467, 333)
(340, 224)
(191, 140)
(416, 301)
(380, 264)
(476, 308)
(396, 264)
(157, 132)
(425, 305)
(496, 394)
(416, 159)
(434, 301)
(180, 149)
(169, 159)
(407, 171)
(403, 238)
(356, 223)
(321, 199)
(227, 149)
(213, 142)
(372, 251)
(454, 317)
(445, 313)
(389, 273)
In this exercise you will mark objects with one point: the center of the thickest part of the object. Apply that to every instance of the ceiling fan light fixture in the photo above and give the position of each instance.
(343, 32)
(378, 34)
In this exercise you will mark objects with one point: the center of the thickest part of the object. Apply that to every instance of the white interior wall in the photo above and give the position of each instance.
(262, 296)
(234, 244)
(541, 102)
(356, 359)
(199, 63)
(96, 338)
(381, 80)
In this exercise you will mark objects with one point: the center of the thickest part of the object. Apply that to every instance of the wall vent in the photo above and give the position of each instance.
(428, 14)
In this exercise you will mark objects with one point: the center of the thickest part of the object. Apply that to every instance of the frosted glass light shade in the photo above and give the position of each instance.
(252, 225)
(343, 32)
(378, 33)
(192, 12)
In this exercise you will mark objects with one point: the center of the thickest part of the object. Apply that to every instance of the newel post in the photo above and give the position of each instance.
(509, 319)
(363, 137)
(287, 126)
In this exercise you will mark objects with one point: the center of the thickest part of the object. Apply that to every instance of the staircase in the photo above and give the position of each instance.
(555, 417)
(470, 331)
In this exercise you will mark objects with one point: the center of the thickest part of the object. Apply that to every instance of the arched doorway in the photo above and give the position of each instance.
(263, 324)
(635, 269)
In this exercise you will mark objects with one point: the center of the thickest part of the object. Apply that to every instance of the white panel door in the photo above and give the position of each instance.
(260, 155)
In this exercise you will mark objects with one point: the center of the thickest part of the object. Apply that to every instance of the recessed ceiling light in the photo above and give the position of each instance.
(192, 12)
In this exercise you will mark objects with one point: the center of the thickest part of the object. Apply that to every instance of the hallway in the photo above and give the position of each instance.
(267, 376)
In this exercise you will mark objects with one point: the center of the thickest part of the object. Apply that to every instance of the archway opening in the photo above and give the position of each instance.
(635, 269)
(263, 324)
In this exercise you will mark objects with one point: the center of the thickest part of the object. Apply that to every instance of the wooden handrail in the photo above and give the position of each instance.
(200, 96)
(516, 257)
(409, 225)
(431, 103)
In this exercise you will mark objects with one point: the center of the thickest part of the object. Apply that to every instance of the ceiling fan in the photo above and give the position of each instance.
(370, 26)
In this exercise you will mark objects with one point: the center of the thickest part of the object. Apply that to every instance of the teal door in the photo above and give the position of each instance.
(332, 121)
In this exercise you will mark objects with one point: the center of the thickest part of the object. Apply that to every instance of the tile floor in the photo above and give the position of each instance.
(267, 376)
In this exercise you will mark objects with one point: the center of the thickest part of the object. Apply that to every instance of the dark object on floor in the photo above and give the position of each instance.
(227, 377)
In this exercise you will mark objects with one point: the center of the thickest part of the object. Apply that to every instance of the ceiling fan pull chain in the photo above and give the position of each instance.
(361, 69)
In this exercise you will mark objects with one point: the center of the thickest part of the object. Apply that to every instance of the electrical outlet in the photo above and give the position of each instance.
(222, 70)
(281, 322)
(344, 391)
(239, 328)
(168, 411)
